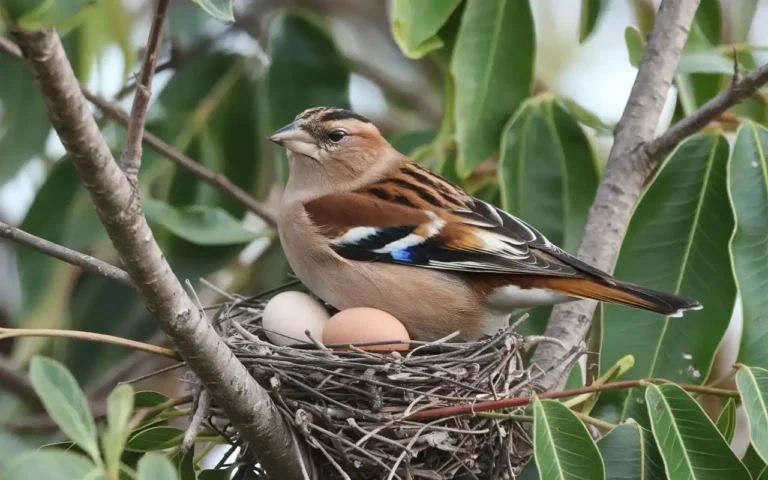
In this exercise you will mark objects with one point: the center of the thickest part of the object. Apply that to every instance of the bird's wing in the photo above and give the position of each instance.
(415, 217)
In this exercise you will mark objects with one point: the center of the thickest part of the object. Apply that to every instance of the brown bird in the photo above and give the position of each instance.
(364, 226)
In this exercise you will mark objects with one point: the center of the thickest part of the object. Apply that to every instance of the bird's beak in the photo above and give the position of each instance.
(295, 139)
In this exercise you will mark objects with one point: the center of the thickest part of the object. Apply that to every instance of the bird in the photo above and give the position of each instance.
(362, 225)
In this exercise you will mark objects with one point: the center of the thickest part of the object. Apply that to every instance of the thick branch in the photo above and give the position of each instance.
(246, 404)
(54, 250)
(626, 172)
(130, 161)
(114, 112)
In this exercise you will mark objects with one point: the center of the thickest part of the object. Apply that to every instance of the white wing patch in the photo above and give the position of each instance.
(356, 234)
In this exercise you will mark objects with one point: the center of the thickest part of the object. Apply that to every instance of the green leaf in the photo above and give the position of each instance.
(148, 398)
(623, 452)
(199, 224)
(155, 438)
(36, 15)
(563, 447)
(635, 45)
(586, 117)
(65, 403)
(743, 13)
(24, 124)
(589, 399)
(548, 175)
(493, 68)
(690, 444)
(676, 242)
(756, 466)
(218, 9)
(705, 62)
(415, 25)
(155, 467)
(184, 464)
(12, 446)
(119, 410)
(709, 19)
(726, 423)
(753, 386)
(307, 69)
(748, 189)
(51, 465)
(591, 10)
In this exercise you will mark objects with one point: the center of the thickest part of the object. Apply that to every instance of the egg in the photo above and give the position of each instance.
(288, 315)
(365, 325)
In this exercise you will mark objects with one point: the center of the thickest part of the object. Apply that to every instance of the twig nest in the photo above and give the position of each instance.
(288, 316)
(355, 408)
(366, 326)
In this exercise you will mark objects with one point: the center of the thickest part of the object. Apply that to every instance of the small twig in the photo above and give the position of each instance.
(89, 336)
(140, 414)
(130, 160)
(114, 112)
(86, 262)
(203, 407)
(522, 401)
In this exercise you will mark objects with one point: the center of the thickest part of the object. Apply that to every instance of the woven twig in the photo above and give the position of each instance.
(352, 406)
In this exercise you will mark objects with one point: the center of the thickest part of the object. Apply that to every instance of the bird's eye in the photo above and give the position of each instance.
(337, 135)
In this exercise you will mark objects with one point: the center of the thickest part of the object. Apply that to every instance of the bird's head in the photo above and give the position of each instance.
(334, 146)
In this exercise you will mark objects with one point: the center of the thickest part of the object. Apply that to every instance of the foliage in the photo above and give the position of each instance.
(700, 228)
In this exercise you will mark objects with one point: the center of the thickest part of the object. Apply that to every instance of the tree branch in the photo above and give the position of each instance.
(130, 160)
(443, 412)
(627, 170)
(114, 112)
(86, 262)
(736, 93)
(244, 402)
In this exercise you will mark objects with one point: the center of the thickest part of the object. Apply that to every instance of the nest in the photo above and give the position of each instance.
(356, 408)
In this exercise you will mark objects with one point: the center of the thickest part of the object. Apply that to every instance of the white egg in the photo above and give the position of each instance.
(289, 314)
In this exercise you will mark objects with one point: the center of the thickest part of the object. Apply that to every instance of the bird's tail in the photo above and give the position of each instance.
(624, 293)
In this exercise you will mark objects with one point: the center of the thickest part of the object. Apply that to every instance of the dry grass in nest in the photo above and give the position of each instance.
(353, 407)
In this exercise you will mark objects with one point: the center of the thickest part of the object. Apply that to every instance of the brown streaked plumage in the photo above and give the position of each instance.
(362, 225)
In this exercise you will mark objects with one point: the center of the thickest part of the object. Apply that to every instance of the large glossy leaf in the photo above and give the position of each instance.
(64, 402)
(548, 174)
(690, 444)
(726, 422)
(24, 124)
(590, 14)
(563, 447)
(623, 453)
(155, 438)
(307, 69)
(415, 24)
(199, 224)
(493, 68)
(748, 188)
(153, 466)
(753, 386)
(51, 465)
(676, 242)
(755, 464)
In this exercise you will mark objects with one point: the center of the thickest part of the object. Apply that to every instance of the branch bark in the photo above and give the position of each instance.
(246, 404)
(130, 160)
(115, 113)
(628, 168)
(86, 262)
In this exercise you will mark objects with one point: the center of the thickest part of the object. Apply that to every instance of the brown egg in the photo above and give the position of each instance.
(365, 325)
